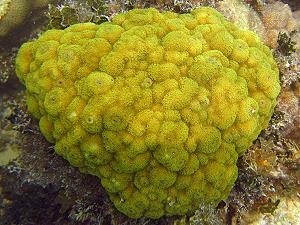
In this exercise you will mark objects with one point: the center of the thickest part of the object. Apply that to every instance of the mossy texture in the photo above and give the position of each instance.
(14, 12)
(158, 105)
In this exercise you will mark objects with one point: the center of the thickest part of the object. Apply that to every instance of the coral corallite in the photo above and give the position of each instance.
(158, 105)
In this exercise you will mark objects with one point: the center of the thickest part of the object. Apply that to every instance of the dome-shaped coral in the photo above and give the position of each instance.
(157, 105)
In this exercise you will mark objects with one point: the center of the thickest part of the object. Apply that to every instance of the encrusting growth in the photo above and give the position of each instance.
(158, 105)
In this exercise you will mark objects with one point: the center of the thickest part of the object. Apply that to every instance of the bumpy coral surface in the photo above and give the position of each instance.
(157, 105)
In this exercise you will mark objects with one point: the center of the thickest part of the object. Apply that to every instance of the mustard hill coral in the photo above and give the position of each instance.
(157, 105)
(13, 13)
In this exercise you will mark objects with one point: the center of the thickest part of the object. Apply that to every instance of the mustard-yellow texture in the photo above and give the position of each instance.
(157, 105)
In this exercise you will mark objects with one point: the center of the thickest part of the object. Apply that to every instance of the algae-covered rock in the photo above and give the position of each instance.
(14, 12)
(158, 105)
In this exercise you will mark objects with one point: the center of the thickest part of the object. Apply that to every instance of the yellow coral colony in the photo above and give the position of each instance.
(157, 105)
